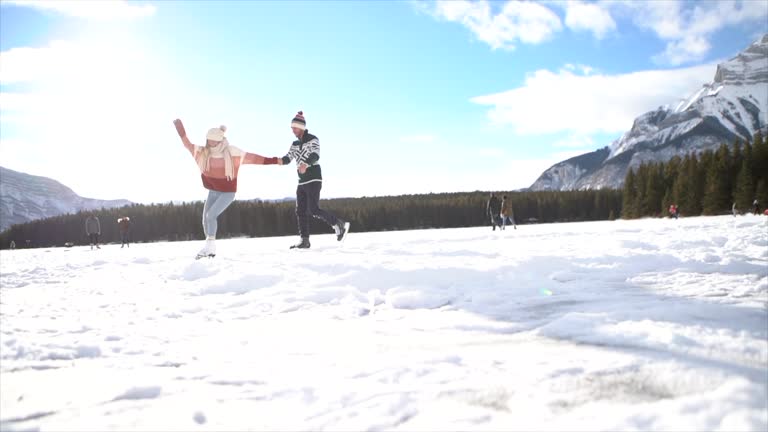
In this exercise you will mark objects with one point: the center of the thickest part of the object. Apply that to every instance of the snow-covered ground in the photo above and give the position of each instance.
(627, 325)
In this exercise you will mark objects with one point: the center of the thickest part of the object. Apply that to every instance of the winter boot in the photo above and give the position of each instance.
(209, 250)
(304, 244)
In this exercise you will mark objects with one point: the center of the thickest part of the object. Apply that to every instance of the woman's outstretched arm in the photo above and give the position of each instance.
(183, 135)
(253, 158)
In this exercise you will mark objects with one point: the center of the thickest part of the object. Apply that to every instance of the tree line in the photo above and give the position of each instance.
(708, 183)
(176, 222)
(705, 183)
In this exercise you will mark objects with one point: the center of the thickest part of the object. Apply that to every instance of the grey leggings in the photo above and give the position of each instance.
(215, 205)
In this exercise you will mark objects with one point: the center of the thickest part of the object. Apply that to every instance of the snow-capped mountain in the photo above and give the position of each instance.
(733, 106)
(25, 197)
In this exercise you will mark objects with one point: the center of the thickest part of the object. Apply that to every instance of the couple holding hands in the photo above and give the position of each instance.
(220, 162)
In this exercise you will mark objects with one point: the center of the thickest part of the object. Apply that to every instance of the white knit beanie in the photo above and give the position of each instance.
(216, 134)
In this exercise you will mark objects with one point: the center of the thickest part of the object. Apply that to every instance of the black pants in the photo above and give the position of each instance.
(307, 203)
(94, 238)
(495, 220)
(125, 237)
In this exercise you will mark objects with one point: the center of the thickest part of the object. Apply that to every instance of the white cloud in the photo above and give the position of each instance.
(707, 18)
(87, 75)
(584, 69)
(92, 10)
(526, 22)
(590, 17)
(665, 18)
(67, 62)
(91, 113)
(688, 49)
(688, 29)
(563, 101)
(575, 141)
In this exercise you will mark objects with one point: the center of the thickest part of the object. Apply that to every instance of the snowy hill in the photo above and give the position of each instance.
(733, 106)
(25, 197)
(653, 324)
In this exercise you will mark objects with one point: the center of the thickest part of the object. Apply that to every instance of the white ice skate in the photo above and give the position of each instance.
(209, 250)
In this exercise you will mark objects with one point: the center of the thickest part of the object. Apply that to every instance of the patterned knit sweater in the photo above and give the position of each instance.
(306, 150)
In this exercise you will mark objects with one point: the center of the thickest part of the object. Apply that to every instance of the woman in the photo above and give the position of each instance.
(219, 164)
(507, 215)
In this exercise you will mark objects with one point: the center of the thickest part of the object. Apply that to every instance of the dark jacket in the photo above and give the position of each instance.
(92, 225)
(494, 206)
(306, 150)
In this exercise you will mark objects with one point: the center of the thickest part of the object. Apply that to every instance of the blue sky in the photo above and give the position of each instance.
(406, 97)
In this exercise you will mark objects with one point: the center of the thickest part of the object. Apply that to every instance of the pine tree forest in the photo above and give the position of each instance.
(707, 183)
(176, 222)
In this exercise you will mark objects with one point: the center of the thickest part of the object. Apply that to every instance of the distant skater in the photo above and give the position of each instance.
(493, 210)
(124, 223)
(93, 230)
(507, 214)
(673, 212)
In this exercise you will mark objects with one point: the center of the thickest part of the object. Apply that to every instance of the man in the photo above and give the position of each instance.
(306, 152)
(493, 209)
(93, 230)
